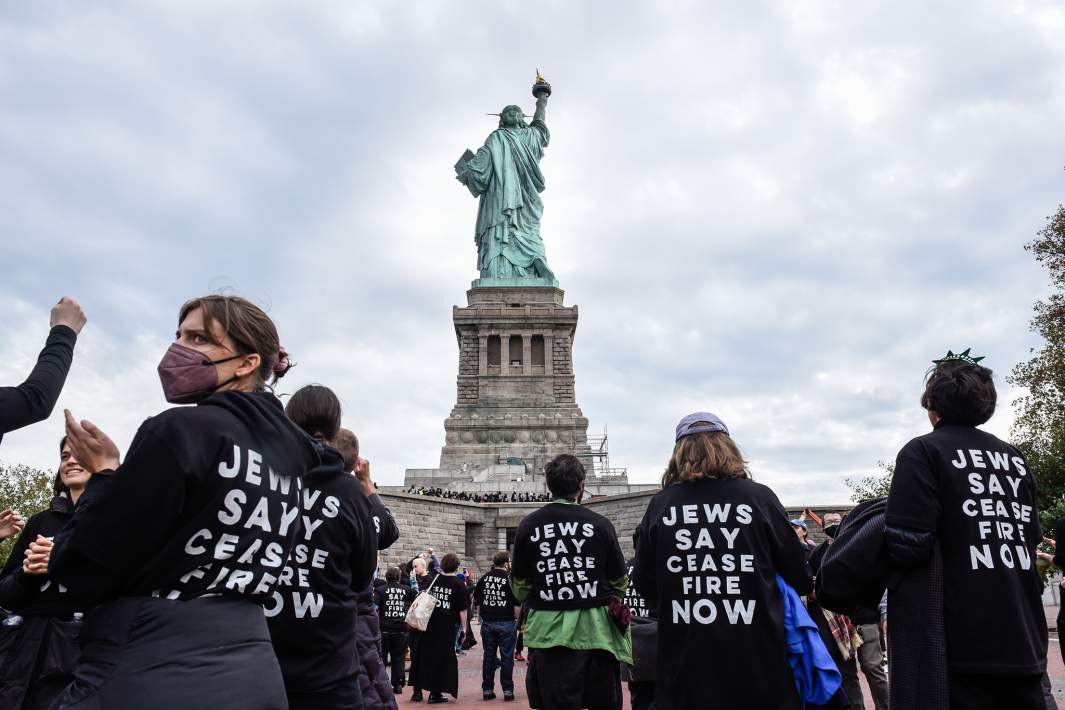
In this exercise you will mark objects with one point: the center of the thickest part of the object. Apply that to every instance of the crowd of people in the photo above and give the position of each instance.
(490, 497)
(228, 559)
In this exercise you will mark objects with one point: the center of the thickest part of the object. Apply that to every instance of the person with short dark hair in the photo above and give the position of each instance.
(435, 667)
(374, 684)
(569, 568)
(963, 496)
(709, 551)
(498, 611)
(393, 600)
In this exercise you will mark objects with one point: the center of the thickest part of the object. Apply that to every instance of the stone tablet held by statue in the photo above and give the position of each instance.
(505, 175)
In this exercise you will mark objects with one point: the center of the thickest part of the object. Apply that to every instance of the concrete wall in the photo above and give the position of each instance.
(472, 530)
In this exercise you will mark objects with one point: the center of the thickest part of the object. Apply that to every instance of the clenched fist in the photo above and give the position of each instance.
(67, 312)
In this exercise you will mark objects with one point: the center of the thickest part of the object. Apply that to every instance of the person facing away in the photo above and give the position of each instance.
(435, 667)
(642, 691)
(183, 543)
(374, 684)
(965, 491)
(312, 617)
(841, 634)
(39, 648)
(708, 552)
(498, 610)
(568, 567)
(393, 601)
(33, 400)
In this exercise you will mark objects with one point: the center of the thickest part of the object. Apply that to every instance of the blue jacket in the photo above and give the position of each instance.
(816, 675)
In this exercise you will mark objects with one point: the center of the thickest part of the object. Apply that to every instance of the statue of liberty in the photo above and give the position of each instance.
(505, 175)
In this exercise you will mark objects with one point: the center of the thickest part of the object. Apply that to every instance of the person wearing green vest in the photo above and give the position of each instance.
(568, 567)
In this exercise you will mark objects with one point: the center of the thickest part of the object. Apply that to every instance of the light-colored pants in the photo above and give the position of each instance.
(873, 663)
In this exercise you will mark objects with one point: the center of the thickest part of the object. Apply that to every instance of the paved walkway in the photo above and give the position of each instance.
(470, 680)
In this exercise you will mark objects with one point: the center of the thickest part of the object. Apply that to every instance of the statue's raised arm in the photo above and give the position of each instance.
(505, 175)
(541, 90)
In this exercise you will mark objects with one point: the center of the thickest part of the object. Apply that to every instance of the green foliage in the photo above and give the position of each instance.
(1039, 430)
(874, 486)
(27, 490)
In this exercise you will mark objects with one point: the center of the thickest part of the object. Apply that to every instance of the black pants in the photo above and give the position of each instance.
(642, 694)
(1061, 630)
(393, 653)
(344, 695)
(561, 678)
(37, 661)
(970, 691)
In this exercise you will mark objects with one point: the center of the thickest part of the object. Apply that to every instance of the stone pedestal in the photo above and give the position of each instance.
(516, 395)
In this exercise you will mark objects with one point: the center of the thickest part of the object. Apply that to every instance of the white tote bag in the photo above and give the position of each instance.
(422, 608)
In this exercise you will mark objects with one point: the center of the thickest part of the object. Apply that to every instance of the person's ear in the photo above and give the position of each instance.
(248, 365)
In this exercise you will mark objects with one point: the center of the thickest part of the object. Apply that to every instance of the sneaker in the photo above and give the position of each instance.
(488, 695)
(416, 697)
(507, 697)
(519, 657)
(436, 699)
(397, 690)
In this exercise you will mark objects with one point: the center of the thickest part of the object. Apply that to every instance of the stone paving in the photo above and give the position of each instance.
(470, 680)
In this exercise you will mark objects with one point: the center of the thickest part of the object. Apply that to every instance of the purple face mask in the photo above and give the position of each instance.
(188, 376)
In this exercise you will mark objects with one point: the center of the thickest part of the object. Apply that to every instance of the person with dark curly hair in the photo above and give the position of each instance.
(963, 496)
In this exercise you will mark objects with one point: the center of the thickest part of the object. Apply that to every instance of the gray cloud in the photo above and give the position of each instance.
(775, 213)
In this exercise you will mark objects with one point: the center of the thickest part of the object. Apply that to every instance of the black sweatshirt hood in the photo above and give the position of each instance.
(331, 461)
(283, 441)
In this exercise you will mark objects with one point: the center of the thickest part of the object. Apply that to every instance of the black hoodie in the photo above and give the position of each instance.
(33, 400)
(312, 614)
(207, 501)
(31, 594)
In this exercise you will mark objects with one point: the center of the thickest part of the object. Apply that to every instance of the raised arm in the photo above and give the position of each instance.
(33, 400)
(540, 114)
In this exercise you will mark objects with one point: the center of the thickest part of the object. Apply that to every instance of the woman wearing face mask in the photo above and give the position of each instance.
(39, 641)
(312, 614)
(183, 543)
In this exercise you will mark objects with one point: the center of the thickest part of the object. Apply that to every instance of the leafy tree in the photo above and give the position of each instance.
(1039, 430)
(876, 485)
(27, 490)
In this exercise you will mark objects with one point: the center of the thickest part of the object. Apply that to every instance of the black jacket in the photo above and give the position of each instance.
(569, 555)
(33, 400)
(207, 501)
(855, 570)
(854, 582)
(494, 598)
(708, 553)
(973, 495)
(312, 613)
(33, 594)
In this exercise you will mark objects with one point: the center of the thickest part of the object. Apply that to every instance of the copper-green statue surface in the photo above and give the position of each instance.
(505, 175)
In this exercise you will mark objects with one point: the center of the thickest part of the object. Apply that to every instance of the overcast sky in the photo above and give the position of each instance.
(778, 212)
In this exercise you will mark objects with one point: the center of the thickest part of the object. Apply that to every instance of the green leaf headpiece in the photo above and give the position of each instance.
(959, 357)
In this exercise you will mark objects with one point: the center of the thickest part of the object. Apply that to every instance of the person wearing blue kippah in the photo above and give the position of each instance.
(709, 551)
